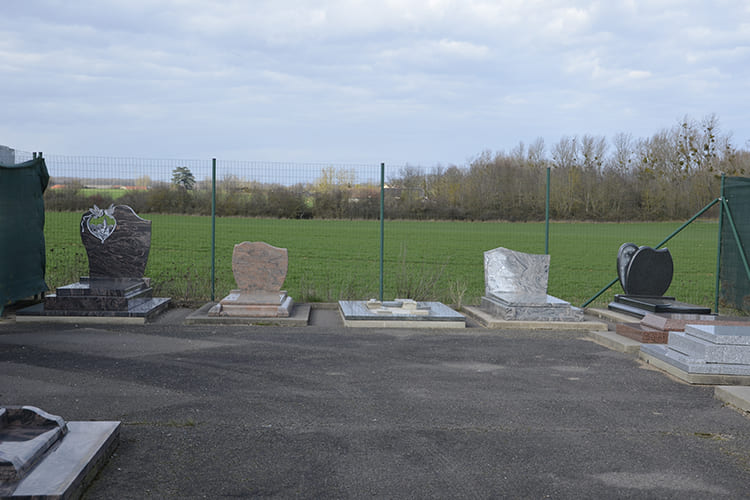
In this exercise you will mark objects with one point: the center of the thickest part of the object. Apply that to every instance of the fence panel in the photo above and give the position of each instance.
(326, 215)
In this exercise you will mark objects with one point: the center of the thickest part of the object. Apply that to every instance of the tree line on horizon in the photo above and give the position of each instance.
(668, 176)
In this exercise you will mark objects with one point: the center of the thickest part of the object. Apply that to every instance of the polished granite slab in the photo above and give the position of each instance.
(530, 307)
(357, 313)
(706, 349)
(143, 309)
(640, 306)
(44, 457)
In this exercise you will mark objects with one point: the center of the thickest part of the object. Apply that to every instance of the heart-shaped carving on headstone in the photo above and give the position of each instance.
(101, 223)
(117, 242)
(649, 272)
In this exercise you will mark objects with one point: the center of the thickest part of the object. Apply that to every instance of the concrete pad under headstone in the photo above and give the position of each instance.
(400, 313)
(300, 316)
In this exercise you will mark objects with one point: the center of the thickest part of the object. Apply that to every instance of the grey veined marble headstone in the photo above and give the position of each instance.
(508, 271)
(515, 286)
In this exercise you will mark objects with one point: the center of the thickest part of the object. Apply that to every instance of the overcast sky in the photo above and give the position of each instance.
(397, 81)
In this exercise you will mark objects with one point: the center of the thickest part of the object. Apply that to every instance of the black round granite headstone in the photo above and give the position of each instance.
(623, 259)
(649, 272)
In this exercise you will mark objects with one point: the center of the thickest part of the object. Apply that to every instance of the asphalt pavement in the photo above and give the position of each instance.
(325, 411)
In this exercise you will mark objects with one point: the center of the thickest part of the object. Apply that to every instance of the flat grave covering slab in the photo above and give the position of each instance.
(357, 313)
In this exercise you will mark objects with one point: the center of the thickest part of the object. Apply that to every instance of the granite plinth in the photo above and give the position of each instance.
(639, 306)
(717, 350)
(677, 322)
(654, 328)
(529, 307)
(358, 314)
(101, 297)
(642, 334)
(299, 316)
(254, 305)
(689, 365)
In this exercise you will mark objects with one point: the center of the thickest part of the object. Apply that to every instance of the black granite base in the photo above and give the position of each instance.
(639, 306)
(101, 297)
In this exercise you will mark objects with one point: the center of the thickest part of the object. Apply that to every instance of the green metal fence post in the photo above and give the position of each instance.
(382, 224)
(213, 229)
(718, 245)
(546, 216)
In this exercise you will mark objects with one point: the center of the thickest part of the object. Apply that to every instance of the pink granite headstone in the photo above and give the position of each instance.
(259, 270)
(259, 267)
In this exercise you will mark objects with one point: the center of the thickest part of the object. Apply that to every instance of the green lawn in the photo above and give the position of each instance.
(332, 259)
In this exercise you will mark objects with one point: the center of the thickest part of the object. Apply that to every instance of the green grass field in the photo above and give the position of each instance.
(112, 193)
(333, 259)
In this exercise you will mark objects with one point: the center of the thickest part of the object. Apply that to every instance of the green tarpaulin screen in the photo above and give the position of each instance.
(22, 252)
(735, 285)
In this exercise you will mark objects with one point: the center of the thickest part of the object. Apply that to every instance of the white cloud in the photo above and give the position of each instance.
(477, 70)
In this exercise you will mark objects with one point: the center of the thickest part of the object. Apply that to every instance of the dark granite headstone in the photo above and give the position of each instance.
(645, 275)
(117, 243)
(649, 272)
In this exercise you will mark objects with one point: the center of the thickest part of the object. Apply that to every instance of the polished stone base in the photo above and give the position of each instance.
(654, 328)
(529, 307)
(639, 306)
(100, 297)
(254, 305)
(357, 313)
(42, 456)
(642, 334)
(496, 323)
(705, 350)
(299, 316)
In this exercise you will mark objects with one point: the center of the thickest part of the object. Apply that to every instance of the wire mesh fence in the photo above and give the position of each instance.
(327, 216)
